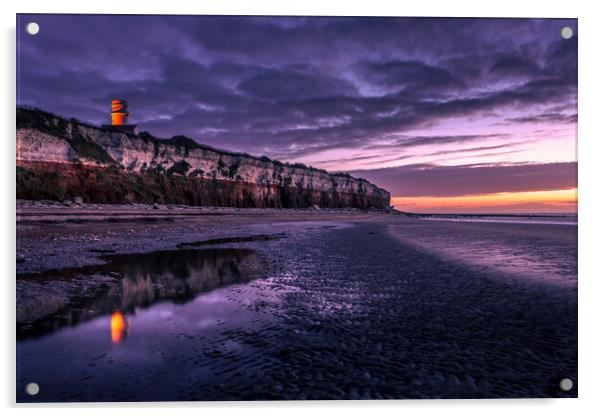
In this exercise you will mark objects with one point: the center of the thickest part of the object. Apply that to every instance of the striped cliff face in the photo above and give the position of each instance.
(196, 174)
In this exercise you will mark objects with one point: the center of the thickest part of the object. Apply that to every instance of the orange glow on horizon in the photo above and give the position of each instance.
(118, 327)
(563, 200)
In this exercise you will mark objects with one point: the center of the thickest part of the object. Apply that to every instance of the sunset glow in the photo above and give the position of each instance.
(560, 201)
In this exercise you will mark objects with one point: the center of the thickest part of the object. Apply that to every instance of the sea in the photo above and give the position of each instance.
(547, 218)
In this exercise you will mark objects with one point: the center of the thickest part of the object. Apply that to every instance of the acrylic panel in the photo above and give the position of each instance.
(290, 208)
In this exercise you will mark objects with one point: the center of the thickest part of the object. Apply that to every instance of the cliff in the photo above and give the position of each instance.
(60, 158)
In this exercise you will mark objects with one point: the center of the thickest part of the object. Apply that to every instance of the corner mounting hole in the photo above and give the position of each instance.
(566, 32)
(32, 28)
(32, 389)
(566, 384)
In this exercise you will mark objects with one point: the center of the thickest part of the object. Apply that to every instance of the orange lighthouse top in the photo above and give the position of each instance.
(119, 112)
(119, 118)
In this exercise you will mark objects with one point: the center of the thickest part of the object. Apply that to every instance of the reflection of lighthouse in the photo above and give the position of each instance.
(119, 117)
(119, 327)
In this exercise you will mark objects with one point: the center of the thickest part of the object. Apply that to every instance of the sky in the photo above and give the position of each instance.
(449, 115)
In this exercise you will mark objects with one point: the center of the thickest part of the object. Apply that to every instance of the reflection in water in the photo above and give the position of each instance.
(167, 321)
(119, 327)
(511, 219)
(139, 280)
(543, 253)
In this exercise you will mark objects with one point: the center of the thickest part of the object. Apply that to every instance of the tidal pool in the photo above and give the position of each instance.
(162, 312)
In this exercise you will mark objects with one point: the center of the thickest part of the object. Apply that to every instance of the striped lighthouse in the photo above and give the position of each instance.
(120, 117)
(119, 112)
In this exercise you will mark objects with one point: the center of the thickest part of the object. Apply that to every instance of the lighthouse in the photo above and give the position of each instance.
(119, 112)
(120, 116)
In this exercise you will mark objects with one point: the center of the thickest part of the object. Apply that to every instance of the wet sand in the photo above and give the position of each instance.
(349, 305)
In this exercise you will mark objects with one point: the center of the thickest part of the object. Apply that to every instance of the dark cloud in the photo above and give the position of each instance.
(411, 77)
(546, 118)
(295, 85)
(381, 159)
(514, 65)
(432, 180)
(413, 141)
(477, 149)
(289, 87)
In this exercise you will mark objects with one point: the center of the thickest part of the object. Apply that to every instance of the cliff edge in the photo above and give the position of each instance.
(60, 158)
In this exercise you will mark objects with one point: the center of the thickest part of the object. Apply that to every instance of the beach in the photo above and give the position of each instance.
(162, 303)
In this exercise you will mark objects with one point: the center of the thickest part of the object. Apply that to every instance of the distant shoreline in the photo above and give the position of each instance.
(499, 218)
(511, 215)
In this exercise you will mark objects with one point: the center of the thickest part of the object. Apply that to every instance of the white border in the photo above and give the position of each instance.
(590, 207)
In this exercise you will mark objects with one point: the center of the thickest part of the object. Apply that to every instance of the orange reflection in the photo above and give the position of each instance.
(119, 327)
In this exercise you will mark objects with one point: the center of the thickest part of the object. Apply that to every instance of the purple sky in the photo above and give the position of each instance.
(417, 105)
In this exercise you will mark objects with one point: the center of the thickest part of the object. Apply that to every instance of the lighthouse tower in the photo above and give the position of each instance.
(119, 112)
(119, 117)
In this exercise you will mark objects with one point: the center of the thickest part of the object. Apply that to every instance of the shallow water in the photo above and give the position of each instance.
(512, 219)
(528, 251)
(133, 329)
